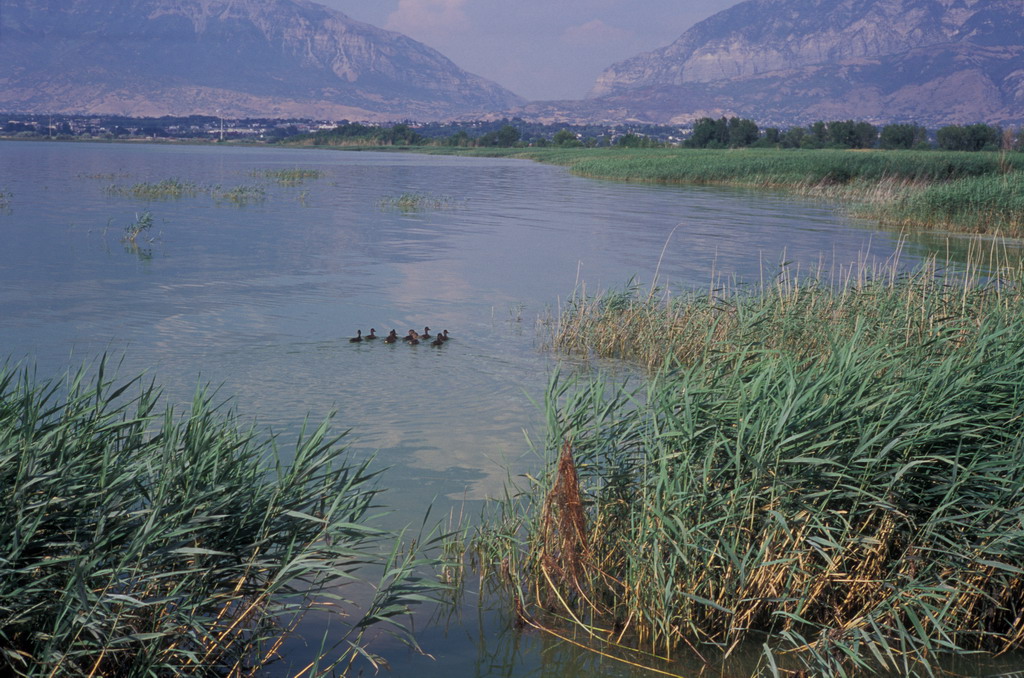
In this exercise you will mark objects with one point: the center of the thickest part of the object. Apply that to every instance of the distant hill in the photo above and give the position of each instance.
(796, 61)
(238, 58)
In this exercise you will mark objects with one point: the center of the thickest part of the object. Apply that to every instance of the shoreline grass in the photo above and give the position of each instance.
(957, 191)
(833, 470)
(139, 541)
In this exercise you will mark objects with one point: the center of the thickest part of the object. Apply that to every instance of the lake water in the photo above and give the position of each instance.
(261, 298)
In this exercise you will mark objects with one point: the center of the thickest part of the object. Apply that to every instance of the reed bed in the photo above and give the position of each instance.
(984, 204)
(957, 191)
(137, 542)
(834, 472)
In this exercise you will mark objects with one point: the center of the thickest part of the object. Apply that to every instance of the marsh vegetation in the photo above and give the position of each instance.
(139, 540)
(869, 445)
(830, 469)
(979, 192)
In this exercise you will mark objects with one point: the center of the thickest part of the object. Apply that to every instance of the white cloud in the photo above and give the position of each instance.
(594, 32)
(423, 19)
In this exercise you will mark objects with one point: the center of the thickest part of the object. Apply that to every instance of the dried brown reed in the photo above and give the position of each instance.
(561, 547)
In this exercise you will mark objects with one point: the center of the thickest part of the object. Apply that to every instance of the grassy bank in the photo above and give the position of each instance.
(967, 192)
(831, 468)
(137, 541)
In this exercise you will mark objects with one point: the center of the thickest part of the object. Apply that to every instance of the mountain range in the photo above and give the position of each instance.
(778, 62)
(781, 62)
(238, 58)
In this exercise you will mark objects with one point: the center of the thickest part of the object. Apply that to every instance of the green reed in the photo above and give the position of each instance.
(968, 192)
(831, 469)
(140, 541)
(984, 204)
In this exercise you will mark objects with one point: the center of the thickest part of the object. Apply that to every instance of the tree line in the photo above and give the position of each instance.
(741, 133)
(707, 132)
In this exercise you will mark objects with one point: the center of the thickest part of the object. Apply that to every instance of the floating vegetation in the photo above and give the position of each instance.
(162, 190)
(410, 202)
(288, 177)
(240, 195)
(138, 540)
(831, 469)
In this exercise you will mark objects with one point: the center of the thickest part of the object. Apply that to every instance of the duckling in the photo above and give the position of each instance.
(371, 335)
(356, 339)
(391, 338)
(426, 333)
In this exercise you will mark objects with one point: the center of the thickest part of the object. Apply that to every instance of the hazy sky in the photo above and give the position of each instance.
(539, 49)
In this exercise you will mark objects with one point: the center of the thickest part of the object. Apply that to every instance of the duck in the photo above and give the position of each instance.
(438, 340)
(391, 338)
(413, 337)
(356, 339)
(371, 335)
(426, 333)
(444, 335)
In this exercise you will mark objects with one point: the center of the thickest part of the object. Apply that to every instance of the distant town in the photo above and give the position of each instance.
(270, 130)
(703, 133)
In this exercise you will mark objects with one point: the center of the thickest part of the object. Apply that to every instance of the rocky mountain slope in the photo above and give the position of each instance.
(795, 61)
(260, 58)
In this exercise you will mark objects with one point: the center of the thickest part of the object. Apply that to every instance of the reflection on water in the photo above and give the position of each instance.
(262, 297)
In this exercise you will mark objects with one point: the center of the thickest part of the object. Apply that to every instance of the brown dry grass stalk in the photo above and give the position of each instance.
(562, 548)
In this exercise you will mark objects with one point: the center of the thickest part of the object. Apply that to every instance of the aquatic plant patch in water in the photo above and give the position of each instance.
(143, 222)
(288, 177)
(137, 541)
(845, 490)
(161, 190)
(239, 195)
(411, 202)
(170, 189)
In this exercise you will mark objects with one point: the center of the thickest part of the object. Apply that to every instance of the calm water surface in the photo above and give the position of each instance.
(262, 297)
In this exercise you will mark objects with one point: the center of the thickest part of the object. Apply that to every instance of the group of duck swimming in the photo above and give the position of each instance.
(412, 338)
